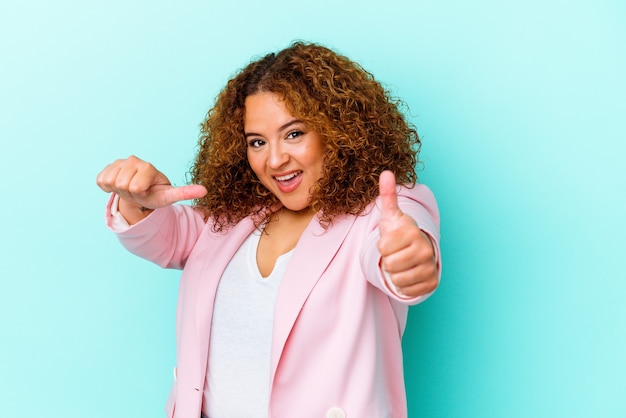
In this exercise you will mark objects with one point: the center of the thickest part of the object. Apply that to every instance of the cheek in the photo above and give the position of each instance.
(316, 159)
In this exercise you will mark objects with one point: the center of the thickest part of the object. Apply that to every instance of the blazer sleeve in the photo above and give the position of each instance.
(420, 204)
(166, 236)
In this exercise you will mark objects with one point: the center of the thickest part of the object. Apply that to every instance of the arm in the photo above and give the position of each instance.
(408, 252)
(155, 229)
(165, 237)
(401, 253)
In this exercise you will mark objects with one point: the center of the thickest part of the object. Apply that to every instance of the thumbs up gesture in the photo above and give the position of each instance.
(141, 188)
(407, 252)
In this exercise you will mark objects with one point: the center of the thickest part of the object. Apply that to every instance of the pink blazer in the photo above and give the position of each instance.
(337, 333)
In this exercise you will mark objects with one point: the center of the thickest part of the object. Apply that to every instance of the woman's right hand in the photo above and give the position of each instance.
(142, 188)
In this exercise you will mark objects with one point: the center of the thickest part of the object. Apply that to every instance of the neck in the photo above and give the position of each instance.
(284, 216)
(304, 215)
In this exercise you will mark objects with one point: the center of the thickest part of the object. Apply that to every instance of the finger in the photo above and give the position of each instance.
(421, 272)
(160, 195)
(405, 247)
(106, 178)
(176, 194)
(420, 288)
(390, 212)
(141, 181)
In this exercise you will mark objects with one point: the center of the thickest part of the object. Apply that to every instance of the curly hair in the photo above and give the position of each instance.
(362, 127)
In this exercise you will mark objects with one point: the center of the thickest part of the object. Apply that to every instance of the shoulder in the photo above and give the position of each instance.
(416, 200)
(410, 195)
(418, 192)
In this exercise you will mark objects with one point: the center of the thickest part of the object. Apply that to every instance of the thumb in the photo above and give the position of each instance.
(192, 191)
(390, 212)
(168, 195)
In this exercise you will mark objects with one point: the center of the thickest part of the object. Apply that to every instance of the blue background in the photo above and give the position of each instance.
(520, 105)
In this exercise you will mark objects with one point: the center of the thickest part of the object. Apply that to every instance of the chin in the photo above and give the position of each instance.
(295, 207)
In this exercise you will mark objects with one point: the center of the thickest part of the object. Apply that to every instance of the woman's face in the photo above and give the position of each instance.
(285, 155)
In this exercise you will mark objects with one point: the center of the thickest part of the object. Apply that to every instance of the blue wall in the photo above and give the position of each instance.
(521, 106)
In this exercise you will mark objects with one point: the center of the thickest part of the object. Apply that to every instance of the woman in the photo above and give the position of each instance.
(300, 255)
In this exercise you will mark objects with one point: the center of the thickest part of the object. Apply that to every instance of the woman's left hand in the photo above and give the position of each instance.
(407, 252)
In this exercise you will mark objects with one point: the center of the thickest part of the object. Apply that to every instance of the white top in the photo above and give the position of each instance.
(238, 373)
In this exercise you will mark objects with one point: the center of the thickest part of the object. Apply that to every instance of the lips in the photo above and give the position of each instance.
(286, 177)
(287, 183)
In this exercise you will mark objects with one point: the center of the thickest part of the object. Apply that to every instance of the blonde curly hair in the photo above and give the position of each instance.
(362, 127)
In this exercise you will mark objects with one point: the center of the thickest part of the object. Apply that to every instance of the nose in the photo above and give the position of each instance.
(277, 156)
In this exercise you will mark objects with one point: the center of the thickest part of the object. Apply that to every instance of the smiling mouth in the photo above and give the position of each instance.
(289, 182)
(287, 177)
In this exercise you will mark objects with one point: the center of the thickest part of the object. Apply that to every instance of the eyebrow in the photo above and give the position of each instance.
(282, 128)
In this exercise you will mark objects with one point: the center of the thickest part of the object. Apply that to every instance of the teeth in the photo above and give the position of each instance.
(287, 177)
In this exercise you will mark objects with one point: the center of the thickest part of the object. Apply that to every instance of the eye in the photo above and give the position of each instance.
(294, 134)
(255, 143)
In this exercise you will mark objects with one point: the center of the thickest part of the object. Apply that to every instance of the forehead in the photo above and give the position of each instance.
(265, 109)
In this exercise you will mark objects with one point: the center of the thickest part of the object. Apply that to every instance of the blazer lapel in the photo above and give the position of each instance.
(314, 251)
